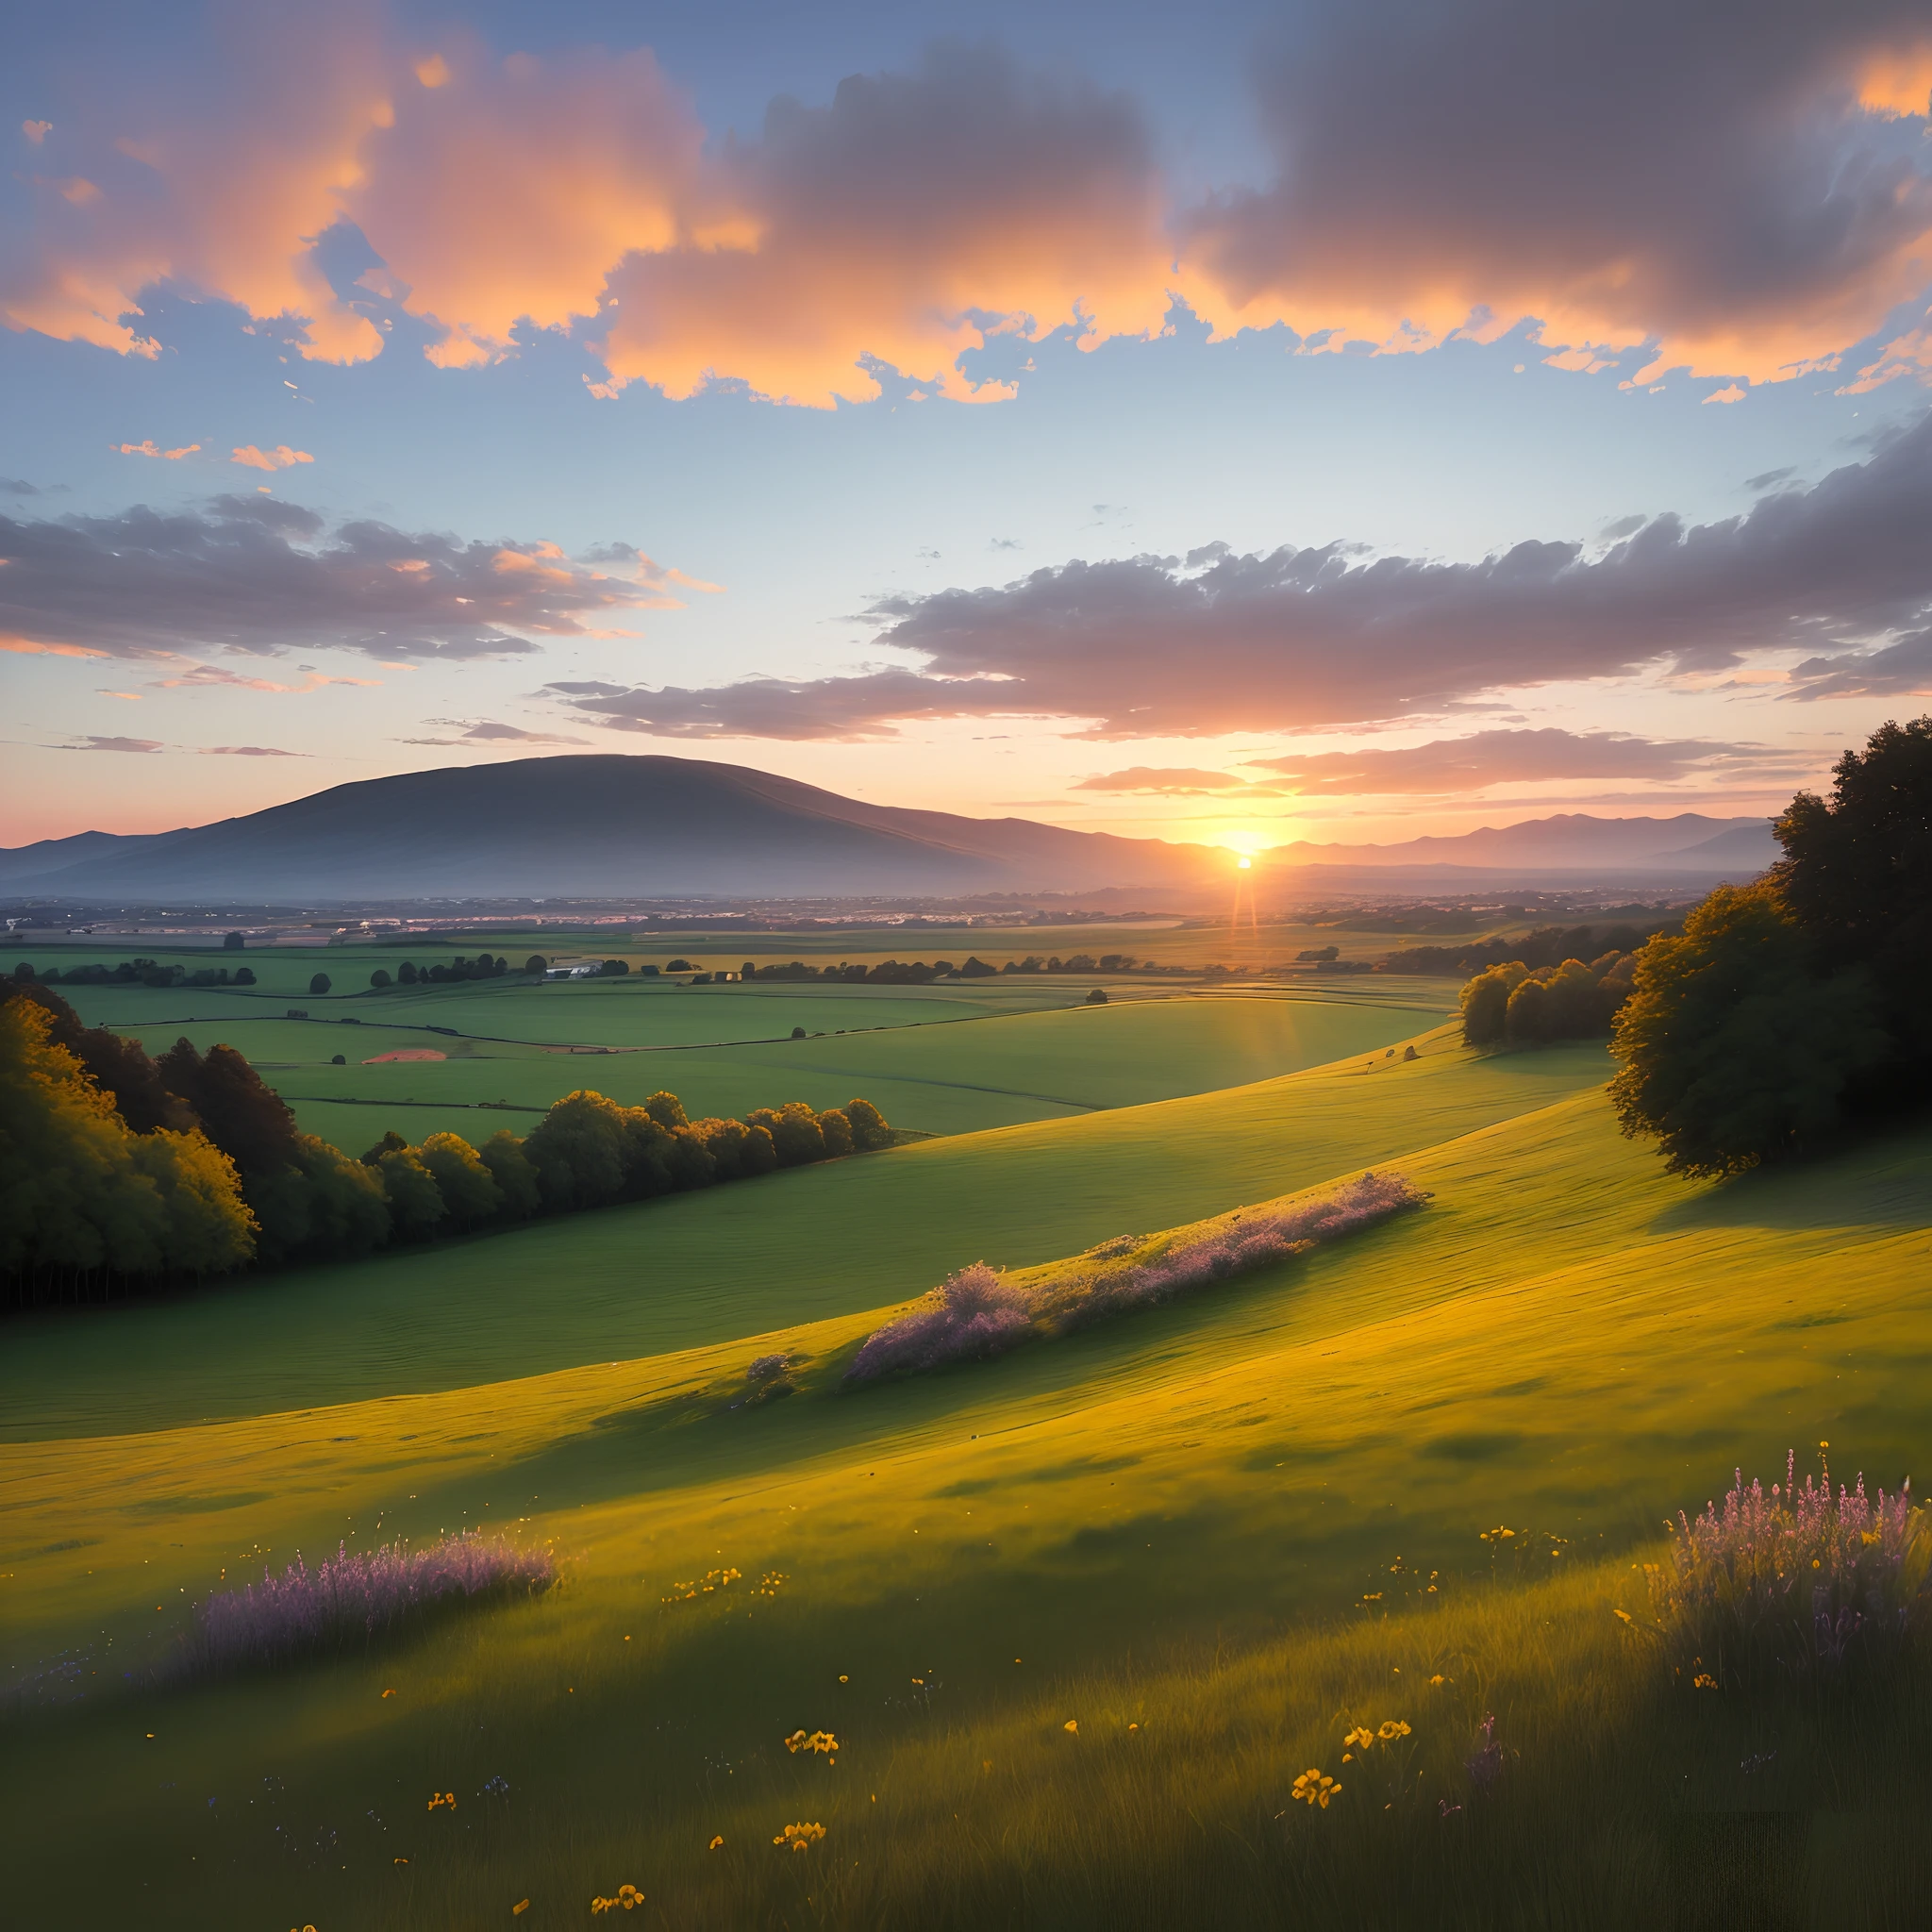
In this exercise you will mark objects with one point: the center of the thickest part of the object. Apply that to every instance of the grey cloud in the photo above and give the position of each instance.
(1900, 670)
(1511, 757)
(18, 486)
(1765, 479)
(1176, 781)
(1624, 526)
(1700, 174)
(1300, 640)
(93, 742)
(256, 576)
(250, 751)
(488, 731)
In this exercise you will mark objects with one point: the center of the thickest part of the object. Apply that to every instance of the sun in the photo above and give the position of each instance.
(1242, 863)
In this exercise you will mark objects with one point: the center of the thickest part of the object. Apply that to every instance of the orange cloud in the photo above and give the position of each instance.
(36, 131)
(1458, 173)
(150, 448)
(508, 190)
(37, 648)
(279, 457)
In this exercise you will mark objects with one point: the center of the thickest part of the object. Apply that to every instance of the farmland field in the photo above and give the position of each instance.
(1562, 1339)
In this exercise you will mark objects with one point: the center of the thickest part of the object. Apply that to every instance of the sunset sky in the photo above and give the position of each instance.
(1235, 423)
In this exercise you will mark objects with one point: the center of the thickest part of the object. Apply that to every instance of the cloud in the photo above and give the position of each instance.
(36, 131)
(1722, 188)
(255, 575)
(18, 486)
(1900, 670)
(1169, 782)
(95, 744)
(1766, 478)
(1734, 188)
(1453, 765)
(1302, 639)
(280, 458)
(486, 731)
(249, 750)
(1731, 393)
(151, 448)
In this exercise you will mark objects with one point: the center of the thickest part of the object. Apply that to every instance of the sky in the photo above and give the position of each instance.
(1328, 422)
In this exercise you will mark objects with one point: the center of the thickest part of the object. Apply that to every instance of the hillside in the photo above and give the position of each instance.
(1567, 842)
(594, 826)
(975, 1577)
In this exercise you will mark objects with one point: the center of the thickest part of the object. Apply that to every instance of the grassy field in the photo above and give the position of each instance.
(1211, 1523)
(984, 1054)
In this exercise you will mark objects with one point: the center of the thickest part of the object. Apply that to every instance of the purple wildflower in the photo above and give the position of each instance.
(362, 1597)
(976, 1315)
(1484, 1763)
(1795, 1581)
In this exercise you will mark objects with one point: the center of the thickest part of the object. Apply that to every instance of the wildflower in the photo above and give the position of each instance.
(800, 1836)
(1360, 1735)
(1484, 1763)
(389, 1694)
(1436, 1682)
(843, 1678)
(1313, 1787)
(1392, 1730)
(814, 1740)
(1703, 1681)
(715, 1842)
(629, 1899)
(1625, 1617)
(1373, 1596)
(1073, 1725)
(517, 1910)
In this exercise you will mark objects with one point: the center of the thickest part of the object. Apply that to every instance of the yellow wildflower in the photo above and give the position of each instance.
(800, 1836)
(715, 1842)
(1392, 1729)
(517, 1910)
(1072, 1724)
(1361, 1734)
(1314, 1788)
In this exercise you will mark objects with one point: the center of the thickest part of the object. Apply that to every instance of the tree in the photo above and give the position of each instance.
(795, 1131)
(515, 1178)
(869, 1128)
(23, 973)
(80, 1191)
(1735, 1048)
(378, 979)
(468, 1188)
(415, 1202)
(1096, 998)
(119, 1067)
(407, 974)
(245, 975)
(1856, 876)
(536, 965)
(837, 1132)
(233, 942)
(798, 1033)
(239, 1112)
(321, 1205)
(319, 984)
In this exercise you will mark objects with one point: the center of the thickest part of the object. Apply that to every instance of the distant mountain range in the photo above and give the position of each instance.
(1570, 842)
(615, 827)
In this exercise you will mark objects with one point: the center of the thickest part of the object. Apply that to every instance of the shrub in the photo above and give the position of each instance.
(1096, 998)
(975, 1315)
(1735, 1049)
(245, 975)
(976, 1312)
(319, 984)
(351, 1601)
(869, 1128)
(468, 1189)
(233, 942)
(380, 978)
(1794, 1584)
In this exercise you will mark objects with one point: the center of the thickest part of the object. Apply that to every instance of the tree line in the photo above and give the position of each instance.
(1792, 1009)
(125, 1171)
(1548, 945)
(136, 973)
(1516, 1004)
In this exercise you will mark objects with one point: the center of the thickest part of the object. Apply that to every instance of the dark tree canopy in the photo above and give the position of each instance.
(1856, 875)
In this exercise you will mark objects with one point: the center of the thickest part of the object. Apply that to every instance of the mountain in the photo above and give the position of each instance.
(591, 827)
(1570, 842)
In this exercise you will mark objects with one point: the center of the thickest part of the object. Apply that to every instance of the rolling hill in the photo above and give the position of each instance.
(624, 827)
(592, 826)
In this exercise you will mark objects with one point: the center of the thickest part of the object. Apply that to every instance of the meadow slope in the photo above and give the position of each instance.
(1563, 1339)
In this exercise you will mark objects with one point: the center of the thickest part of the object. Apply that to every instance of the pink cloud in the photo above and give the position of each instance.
(151, 448)
(36, 131)
(280, 458)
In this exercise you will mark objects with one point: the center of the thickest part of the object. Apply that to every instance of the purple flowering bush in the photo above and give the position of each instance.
(978, 1312)
(1795, 1583)
(975, 1314)
(354, 1600)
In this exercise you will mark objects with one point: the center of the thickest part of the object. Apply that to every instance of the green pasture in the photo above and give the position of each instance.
(942, 1060)
(1213, 1522)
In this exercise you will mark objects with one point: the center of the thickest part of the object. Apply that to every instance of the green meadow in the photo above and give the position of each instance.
(1077, 1616)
